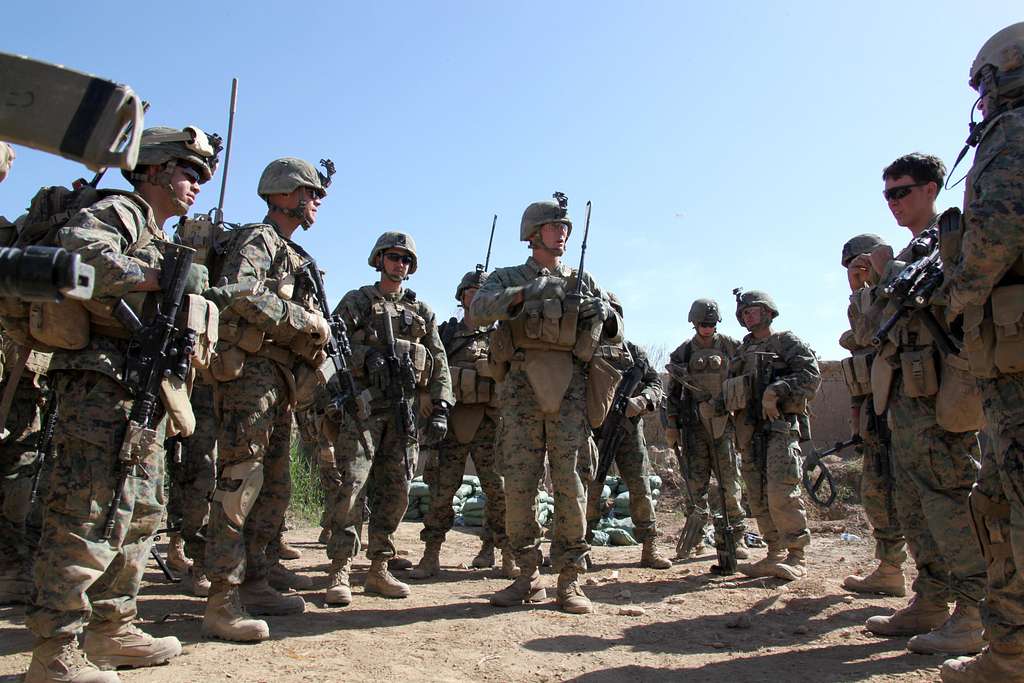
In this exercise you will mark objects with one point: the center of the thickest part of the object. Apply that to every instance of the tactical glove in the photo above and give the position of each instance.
(770, 404)
(636, 406)
(544, 287)
(437, 427)
(595, 307)
(329, 474)
(376, 370)
(672, 436)
(198, 280)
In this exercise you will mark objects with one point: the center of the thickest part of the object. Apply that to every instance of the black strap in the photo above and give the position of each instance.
(89, 113)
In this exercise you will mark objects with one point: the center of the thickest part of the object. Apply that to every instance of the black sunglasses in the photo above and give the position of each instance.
(191, 173)
(900, 191)
(405, 259)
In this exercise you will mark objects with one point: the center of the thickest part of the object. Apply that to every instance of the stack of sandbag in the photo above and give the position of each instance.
(615, 488)
(419, 499)
(616, 526)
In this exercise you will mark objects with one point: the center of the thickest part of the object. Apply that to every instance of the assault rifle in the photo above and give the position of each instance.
(155, 350)
(697, 517)
(44, 442)
(614, 428)
(401, 380)
(761, 378)
(725, 532)
(813, 462)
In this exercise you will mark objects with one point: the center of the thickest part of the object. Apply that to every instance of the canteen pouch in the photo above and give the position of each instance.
(920, 374)
(958, 405)
(1008, 318)
(602, 380)
(63, 325)
(736, 393)
(979, 341)
(227, 364)
(549, 373)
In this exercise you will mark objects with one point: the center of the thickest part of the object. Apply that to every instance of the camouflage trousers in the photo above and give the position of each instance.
(375, 479)
(877, 489)
(773, 487)
(79, 578)
(255, 428)
(19, 462)
(935, 470)
(711, 456)
(527, 437)
(634, 466)
(194, 478)
(443, 474)
(1002, 520)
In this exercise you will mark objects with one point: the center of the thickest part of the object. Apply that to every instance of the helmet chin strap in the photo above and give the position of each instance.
(538, 243)
(386, 274)
(298, 212)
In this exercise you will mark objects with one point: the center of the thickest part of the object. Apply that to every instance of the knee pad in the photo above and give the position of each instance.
(237, 488)
(990, 520)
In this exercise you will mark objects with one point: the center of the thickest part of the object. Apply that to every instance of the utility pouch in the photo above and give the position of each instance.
(467, 386)
(63, 325)
(500, 352)
(587, 341)
(857, 373)
(920, 374)
(533, 321)
(602, 380)
(736, 393)
(958, 406)
(549, 373)
(227, 363)
(1008, 318)
(174, 394)
(980, 342)
(569, 321)
(552, 311)
(202, 317)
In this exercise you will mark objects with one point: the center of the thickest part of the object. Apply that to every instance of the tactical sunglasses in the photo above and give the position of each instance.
(897, 193)
(404, 259)
(191, 173)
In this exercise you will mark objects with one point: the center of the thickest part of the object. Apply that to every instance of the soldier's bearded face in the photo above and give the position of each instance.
(553, 236)
(916, 207)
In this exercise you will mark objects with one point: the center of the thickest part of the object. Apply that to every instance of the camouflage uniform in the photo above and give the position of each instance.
(712, 448)
(194, 478)
(631, 457)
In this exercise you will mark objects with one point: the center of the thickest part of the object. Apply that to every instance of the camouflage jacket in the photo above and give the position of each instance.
(702, 367)
(795, 373)
(623, 356)
(466, 350)
(865, 316)
(415, 332)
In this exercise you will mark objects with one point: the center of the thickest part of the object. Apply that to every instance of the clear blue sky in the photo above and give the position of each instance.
(737, 144)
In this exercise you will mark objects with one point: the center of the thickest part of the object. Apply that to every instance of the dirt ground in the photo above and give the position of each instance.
(691, 625)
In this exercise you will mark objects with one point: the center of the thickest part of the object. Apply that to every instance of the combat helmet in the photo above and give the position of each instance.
(1004, 53)
(704, 312)
(474, 279)
(285, 175)
(539, 213)
(859, 245)
(754, 297)
(161, 145)
(393, 240)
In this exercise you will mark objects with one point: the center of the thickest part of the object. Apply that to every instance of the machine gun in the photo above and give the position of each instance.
(39, 273)
(813, 462)
(156, 350)
(401, 379)
(614, 428)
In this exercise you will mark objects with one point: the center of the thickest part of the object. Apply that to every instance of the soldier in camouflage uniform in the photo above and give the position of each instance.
(473, 422)
(631, 457)
(776, 418)
(269, 340)
(544, 342)
(82, 582)
(986, 285)
(375, 457)
(935, 467)
(877, 480)
(696, 372)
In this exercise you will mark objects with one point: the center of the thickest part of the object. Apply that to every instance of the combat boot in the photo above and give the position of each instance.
(176, 558)
(225, 617)
(767, 566)
(742, 552)
(886, 579)
(15, 586)
(509, 569)
(430, 563)
(380, 581)
(960, 635)
(485, 558)
(651, 558)
(111, 645)
(339, 591)
(324, 537)
(284, 579)
(196, 582)
(525, 589)
(259, 598)
(286, 551)
(919, 616)
(60, 660)
(570, 593)
(793, 567)
(988, 666)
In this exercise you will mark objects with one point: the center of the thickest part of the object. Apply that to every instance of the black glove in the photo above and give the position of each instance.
(376, 370)
(544, 287)
(437, 427)
(595, 307)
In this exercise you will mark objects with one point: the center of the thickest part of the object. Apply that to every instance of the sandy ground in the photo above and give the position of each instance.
(691, 625)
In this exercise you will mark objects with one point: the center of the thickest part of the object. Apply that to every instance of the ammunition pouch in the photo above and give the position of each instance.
(175, 396)
(1008, 318)
(538, 326)
(736, 393)
(465, 420)
(881, 377)
(470, 386)
(857, 373)
(309, 381)
(500, 351)
(201, 316)
(603, 379)
(980, 342)
(227, 364)
(237, 489)
(242, 334)
(422, 361)
(919, 371)
(958, 405)
(59, 325)
(549, 373)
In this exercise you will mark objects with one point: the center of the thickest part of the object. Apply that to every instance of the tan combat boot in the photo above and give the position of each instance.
(225, 617)
(525, 589)
(176, 558)
(380, 581)
(284, 579)
(960, 635)
(261, 599)
(112, 645)
(196, 581)
(793, 567)
(430, 563)
(570, 593)
(287, 551)
(919, 616)
(339, 591)
(509, 569)
(886, 579)
(990, 665)
(485, 558)
(767, 566)
(651, 558)
(59, 660)
(742, 551)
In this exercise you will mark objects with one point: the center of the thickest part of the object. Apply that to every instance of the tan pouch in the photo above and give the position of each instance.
(465, 420)
(980, 341)
(500, 352)
(467, 385)
(174, 394)
(63, 325)
(570, 319)
(920, 374)
(1008, 318)
(202, 317)
(958, 404)
(602, 380)
(482, 367)
(549, 373)
(533, 319)
(309, 380)
(588, 341)
(552, 312)
(736, 393)
(881, 377)
(227, 364)
(857, 374)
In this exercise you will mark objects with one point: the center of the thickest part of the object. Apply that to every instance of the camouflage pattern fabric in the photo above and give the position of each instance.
(711, 456)
(194, 478)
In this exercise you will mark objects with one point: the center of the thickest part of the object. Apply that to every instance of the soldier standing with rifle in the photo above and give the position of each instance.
(877, 479)
(628, 449)
(541, 349)
(398, 356)
(702, 434)
(106, 494)
(772, 378)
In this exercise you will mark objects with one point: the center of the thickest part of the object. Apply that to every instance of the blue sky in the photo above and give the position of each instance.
(735, 145)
